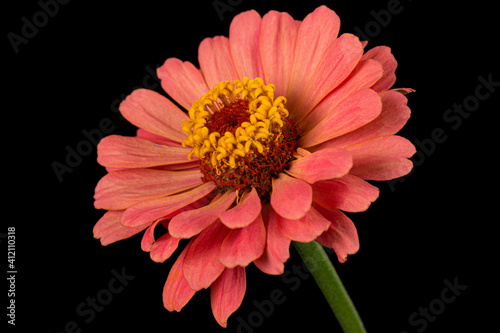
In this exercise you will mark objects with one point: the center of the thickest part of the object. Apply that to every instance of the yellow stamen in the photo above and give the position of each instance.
(265, 114)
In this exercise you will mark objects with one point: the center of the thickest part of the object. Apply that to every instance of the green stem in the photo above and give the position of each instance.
(330, 284)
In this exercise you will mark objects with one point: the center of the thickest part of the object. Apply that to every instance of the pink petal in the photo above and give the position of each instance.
(306, 229)
(201, 265)
(153, 209)
(342, 235)
(339, 61)
(121, 189)
(165, 245)
(244, 44)
(203, 201)
(195, 163)
(109, 219)
(382, 158)
(182, 81)
(349, 193)
(365, 74)
(394, 115)
(114, 169)
(117, 151)
(316, 34)
(297, 24)
(227, 292)
(277, 246)
(403, 91)
(278, 33)
(383, 55)
(356, 110)
(215, 60)
(323, 164)
(155, 113)
(148, 238)
(176, 292)
(190, 223)
(386, 85)
(109, 229)
(244, 213)
(291, 197)
(163, 248)
(143, 134)
(244, 245)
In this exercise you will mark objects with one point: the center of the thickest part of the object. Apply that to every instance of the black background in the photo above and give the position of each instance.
(439, 224)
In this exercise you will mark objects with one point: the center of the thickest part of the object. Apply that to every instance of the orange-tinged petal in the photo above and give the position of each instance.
(244, 213)
(244, 245)
(383, 55)
(315, 35)
(109, 229)
(121, 189)
(341, 236)
(382, 158)
(151, 210)
(176, 292)
(148, 238)
(155, 113)
(394, 115)
(227, 292)
(176, 75)
(338, 62)
(291, 197)
(277, 245)
(116, 151)
(143, 134)
(278, 33)
(163, 248)
(324, 164)
(215, 60)
(366, 73)
(306, 229)
(244, 44)
(201, 266)
(349, 193)
(356, 110)
(190, 223)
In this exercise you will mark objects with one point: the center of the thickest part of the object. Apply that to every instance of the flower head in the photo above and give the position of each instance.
(241, 134)
(285, 123)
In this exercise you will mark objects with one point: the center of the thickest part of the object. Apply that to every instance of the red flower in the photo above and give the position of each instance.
(254, 163)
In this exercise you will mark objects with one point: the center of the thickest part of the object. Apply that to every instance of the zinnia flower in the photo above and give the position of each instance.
(285, 123)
